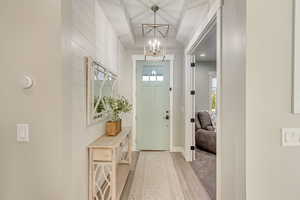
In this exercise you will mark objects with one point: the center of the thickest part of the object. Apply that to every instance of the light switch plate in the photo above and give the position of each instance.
(290, 136)
(22, 132)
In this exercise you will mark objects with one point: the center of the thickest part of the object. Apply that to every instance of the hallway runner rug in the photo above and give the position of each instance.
(155, 178)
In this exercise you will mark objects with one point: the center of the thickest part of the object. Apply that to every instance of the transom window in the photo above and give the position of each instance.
(153, 76)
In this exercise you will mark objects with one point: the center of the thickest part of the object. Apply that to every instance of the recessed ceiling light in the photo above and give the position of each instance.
(202, 55)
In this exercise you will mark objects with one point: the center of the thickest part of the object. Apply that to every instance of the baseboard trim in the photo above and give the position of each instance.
(178, 149)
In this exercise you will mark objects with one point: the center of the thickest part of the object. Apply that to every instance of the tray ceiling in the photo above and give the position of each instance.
(127, 17)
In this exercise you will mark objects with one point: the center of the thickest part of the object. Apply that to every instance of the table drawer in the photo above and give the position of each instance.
(102, 154)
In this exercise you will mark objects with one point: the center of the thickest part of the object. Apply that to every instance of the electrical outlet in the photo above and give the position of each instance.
(22, 132)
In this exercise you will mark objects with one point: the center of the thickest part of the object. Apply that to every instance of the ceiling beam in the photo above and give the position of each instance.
(166, 4)
(187, 6)
(197, 4)
(123, 6)
(166, 20)
(146, 6)
(183, 10)
(168, 14)
(140, 14)
(112, 2)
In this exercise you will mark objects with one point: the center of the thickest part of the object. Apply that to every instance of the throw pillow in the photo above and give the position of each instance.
(197, 122)
(205, 120)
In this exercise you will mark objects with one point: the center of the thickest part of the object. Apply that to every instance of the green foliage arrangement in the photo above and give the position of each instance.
(214, 102)
(100, 107)
(114, 107)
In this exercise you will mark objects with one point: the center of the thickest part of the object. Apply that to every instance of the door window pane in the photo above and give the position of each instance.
(146, 78)
(152, 78)
(160, 78)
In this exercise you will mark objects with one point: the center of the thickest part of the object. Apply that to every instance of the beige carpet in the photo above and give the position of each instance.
(155, 178)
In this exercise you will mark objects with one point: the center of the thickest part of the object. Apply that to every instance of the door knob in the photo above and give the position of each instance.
(167, 117)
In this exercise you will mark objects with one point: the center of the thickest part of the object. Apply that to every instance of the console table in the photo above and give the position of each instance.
(109, 164)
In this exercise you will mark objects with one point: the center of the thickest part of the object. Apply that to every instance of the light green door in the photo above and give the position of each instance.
(153, 108)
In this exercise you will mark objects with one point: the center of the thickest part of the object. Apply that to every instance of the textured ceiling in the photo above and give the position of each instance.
(140, 13)
(183, 16)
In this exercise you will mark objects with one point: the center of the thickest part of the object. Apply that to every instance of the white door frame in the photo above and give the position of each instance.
(214, 17)
(136, 58)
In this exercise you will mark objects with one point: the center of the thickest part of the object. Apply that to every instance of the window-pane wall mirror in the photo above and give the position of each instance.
(296, 88)
(100, 83)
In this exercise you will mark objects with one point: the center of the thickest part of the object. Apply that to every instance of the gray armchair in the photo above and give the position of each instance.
(205, 134)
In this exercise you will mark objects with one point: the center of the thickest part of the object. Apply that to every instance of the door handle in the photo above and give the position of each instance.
(167, 117)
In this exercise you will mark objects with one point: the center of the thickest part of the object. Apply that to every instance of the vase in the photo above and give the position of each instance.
(113, 127)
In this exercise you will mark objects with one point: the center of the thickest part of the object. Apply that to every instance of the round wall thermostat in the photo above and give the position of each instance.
(27, 82)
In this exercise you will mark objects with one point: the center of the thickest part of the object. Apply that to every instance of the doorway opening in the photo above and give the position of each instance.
(203, 104)
(205, 109)
(152, 103)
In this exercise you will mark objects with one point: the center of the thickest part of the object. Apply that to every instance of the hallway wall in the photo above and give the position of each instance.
(92, 35)
(30, 44)
(258, 101)
(272, 170)
(48, 40)
(125, 84)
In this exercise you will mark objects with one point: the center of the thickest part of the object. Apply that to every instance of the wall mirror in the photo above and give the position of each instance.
(296, 74)
(100, 83)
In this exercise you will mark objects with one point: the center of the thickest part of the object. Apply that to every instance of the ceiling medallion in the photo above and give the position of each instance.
(154, 46)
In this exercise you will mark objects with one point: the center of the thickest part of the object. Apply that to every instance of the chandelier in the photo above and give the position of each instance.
(153, 46)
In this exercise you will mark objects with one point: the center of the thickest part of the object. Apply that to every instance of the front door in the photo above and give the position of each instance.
(152, 105)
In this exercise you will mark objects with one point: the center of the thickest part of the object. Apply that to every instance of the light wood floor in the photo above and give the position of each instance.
(190, 187)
